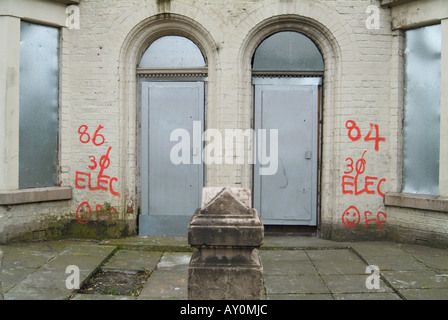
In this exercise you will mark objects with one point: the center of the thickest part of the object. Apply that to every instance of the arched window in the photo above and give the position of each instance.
(288, 51)
(172, 52)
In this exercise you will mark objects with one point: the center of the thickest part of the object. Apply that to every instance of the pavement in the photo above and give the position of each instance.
(295, 268)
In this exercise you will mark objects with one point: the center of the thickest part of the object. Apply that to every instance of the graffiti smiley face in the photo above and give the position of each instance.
(351, 217)
(83, 213)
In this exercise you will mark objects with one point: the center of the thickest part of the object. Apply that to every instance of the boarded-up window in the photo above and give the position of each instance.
(422, 110)
(39, 95)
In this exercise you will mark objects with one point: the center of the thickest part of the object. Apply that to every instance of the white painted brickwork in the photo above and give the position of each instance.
(362, 84)
(360, 87)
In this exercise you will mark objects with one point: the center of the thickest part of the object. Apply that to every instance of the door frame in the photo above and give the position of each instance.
(312, 78)
(180, 77)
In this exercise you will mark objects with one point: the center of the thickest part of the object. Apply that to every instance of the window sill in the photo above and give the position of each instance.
(35, 195)
(67, 2)
(416, 201)
(393, 3)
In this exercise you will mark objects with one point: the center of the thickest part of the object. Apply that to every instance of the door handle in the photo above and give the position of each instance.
(308, 154)
(196, 151)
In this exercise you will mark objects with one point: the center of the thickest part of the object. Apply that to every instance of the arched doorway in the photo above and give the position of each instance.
(287, 72)
(172, 82)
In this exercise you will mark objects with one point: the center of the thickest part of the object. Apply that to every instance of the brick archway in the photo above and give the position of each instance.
(330, 49)
(134, 46)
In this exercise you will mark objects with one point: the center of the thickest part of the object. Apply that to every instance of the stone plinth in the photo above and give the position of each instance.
(226, 233)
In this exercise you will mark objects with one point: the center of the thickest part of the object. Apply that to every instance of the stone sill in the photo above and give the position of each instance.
(393, 3)
(35, 195)
(416, 201)
(76, 2)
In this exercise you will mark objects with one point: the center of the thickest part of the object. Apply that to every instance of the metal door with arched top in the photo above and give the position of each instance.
(287, 75)
(172, 90)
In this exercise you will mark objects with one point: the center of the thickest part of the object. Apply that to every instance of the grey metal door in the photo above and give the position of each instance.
(290, 105)
(170, 192)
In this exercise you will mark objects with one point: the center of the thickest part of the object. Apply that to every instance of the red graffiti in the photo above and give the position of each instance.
(84, 179)
(351, 184)
(356, 180)
(351, 218)
(84, 212)
(85, 137)
(83, 215)
(378, 221)
(103, 182)
(87, 180)
(353, 127)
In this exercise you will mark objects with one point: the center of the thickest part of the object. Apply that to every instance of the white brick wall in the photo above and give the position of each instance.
(358, 79)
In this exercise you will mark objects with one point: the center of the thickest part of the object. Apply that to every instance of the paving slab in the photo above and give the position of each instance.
(174, 261)
(336, 261)
(300, 296)
(48, 282)
(436, 262)
(300, 267)
(151, 243)
(169, 280)
(396, 263)
(12, 277)
(40, 247)
(99, 297)
(286, 262)
(424, 279)
(166, 284)
(377, 248)
(25, 259)
(295, 268)
(83, 296)
(133, 260)
(418, 250)
(340, 267)
(284, 255)
(297, 242)
(293, 284)
(367, 296)
(352, 284)
(331, 255)
(22, 292)
(425, 294)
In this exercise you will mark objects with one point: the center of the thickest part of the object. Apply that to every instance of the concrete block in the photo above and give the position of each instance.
(226, 233)
(225, 274)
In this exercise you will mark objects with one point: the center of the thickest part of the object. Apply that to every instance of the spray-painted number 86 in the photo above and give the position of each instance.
(98, 139)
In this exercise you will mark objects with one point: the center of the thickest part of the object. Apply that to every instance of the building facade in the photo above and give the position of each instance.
(114, 114)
